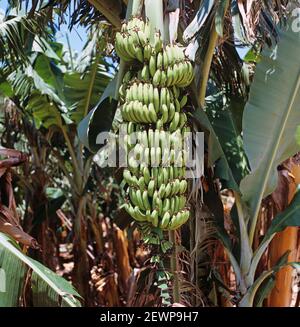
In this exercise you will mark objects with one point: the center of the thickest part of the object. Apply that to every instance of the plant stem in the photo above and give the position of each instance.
(76, 171)
(174, 268)
(207, 64)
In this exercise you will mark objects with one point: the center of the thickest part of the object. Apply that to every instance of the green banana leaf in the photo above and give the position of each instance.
(271, 118)
(225, 117)
(216, 153)
(99, 119)
(48, 289)
(261, 287)
(289, 217)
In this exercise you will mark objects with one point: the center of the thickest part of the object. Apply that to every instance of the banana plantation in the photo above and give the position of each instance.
(150, 153)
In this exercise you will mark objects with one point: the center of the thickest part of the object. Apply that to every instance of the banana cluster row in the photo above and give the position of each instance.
(166, 66)
(149, 138)
(153, 179)
(147, 104)
(168, 221)
(136, 111)
(146, 93)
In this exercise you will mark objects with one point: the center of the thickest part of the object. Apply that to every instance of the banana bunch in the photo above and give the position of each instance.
(152, 101)
(169, 67)
(132, 39)
(143, 103)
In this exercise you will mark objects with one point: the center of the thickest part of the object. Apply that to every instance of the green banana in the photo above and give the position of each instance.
(166, 205)
(171, 112)
(165, 113)
(151, 93)
(139, 199)
(127, 177)
(157, 42)
(170, 76)
(159, 124)
(154, 218)
(139, 216)
(151, 187)
(139, 54)
(153, 157)
(154, 201)
(156, 100)
(172, 205)
(152, 113)
(142, 38)
(152, 65)
(163, 78)
(158, 155)
(132, 196)
(159, 61)
(177, 105)
(156, 77)
(183, 120)
(145, 74)
(165, 220)
(140, 92)
(165, 174)
(168, 189)
(183, 186)
(146, 174)
(162, 190)
(151, 138)
(147, 52)
(165, 60)
(183, 101)
(144, 139)
(146, 93)
(141, 183)
(175, 121)
(146, 156)
(146, 202)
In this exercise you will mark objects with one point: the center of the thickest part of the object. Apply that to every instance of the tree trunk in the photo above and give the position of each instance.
(81, 272)
(287, 240)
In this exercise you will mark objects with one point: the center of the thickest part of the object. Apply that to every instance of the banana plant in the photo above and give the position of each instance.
(265, 151)
(260, 154)
(55, 94)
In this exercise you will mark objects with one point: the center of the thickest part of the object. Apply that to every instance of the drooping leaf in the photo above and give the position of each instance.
(225, 117)
(271, 118)
(47, 287)
(290, 217)
(15, 29)
(83, 91)
(215, 151)
(99, 119)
